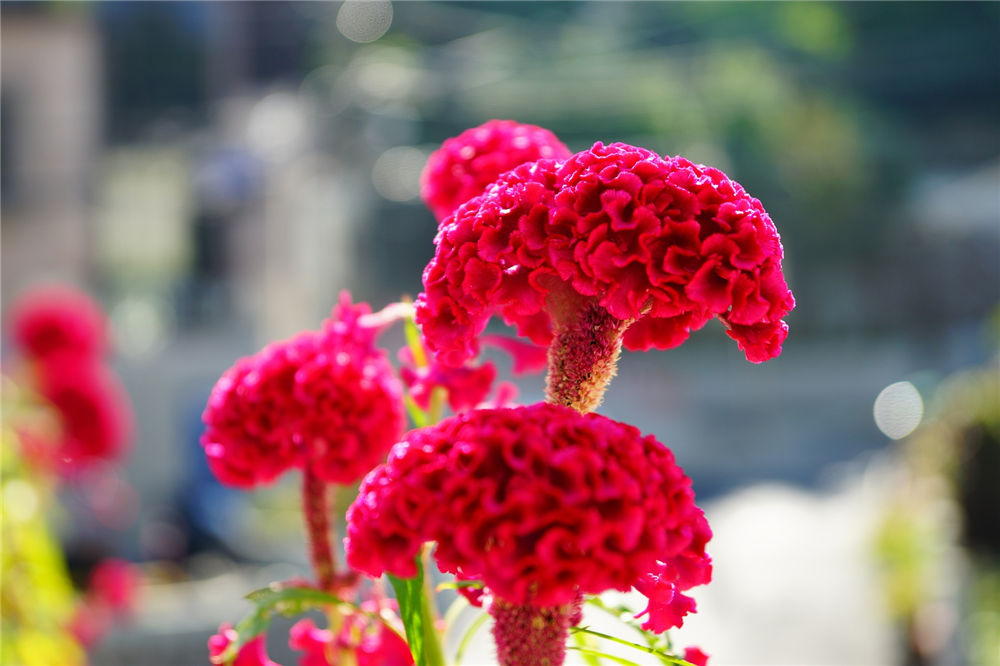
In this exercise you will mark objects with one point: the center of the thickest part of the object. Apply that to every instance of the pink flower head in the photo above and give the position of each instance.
(94, 412)
(465, 165)
(658, 243)
(695, 656)
(253, 653)
(63, 320)
(327, 399)
(541, 503)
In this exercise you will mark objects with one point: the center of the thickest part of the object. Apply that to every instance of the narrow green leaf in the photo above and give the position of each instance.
(418, 620)
(278, 598)
(587, 643)
(408, 591)
(467, 638)
(666, 658)
(417, 415)
(456, 584)
(589, 654)
(415, 342)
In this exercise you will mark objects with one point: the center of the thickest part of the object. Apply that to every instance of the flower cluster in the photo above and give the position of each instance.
(541, 503)
(62, 333)
(324, 399)
(370, 643)
(660, 244)
(465, 165)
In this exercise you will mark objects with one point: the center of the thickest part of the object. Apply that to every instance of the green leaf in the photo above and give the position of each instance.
(418, 620)
(417, 415)
(415, 342)
(591, 653)
(663, 656)
(277, 598)
(456, 584)
(408, 591)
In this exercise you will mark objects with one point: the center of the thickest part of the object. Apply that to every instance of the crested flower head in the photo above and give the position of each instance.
(57, 320)
(541, 503)
(325, 399)
(659, 245)
(465, 165)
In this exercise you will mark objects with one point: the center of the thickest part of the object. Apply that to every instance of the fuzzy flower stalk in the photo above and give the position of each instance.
(326, 402)
(543, 505)
(613, 246)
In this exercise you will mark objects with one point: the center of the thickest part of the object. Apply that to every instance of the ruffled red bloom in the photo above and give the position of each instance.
(94, 412)
(659, 242)
(465, 165)
(541, 503)
(57, 320)
(327, 399)
(253, 653)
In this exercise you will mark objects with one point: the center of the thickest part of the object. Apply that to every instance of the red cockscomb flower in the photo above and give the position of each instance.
(648, 248)
(95, 416)
(465, 165)
(57, 320)
(541, 503)
(323, 399)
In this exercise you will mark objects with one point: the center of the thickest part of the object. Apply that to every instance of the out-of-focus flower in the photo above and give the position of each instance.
(648, 248)
(465, 165)
(324, 399)
(370, 643)
(540, 503)
(695, 656)
(466, 386)
(253, 653)
(115, 582)
(49, 320)
(95, 416)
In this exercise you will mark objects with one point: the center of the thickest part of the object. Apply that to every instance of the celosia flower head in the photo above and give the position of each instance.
(541, 503)
(660, 244)
(327, 399)
(57, 320)
(465, 165)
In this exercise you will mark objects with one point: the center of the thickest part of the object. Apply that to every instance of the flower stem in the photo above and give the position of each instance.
(583, 357)
(529, 635)
(316, 505)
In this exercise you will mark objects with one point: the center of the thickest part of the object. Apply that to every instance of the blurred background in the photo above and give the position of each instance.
(215, 173)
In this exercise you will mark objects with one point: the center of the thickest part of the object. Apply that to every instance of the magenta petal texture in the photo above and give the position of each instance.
(327, 399)
(541, 503)
(465, 165)
(660, 242)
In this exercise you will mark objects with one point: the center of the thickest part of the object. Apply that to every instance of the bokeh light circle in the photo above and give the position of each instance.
(898, 410)
(364, 21)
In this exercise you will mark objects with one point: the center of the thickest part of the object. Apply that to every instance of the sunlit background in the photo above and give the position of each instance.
(215, 173)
